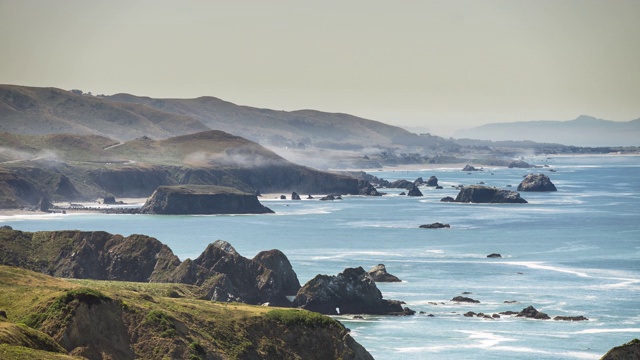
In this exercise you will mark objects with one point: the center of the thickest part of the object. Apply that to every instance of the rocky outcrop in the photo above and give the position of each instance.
(531, 313)
(414, 191)
(447, 199)
(379, 274)
(223, 274)
(202, 199)
(537, 182)
(350, 292)
(17, 192)
(484, 194)
(435, 225)
(630, 350)
(470, 168)
(494, 255)
(367, 189)
(295, 196)
(465, 299)
(432, 181)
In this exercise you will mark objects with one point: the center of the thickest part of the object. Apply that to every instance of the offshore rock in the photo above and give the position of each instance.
(519, 164)
(470, 168)
(202, 199)
(350, 292)
(465, 299)
(447, 199)
(365, 188)
(401, 184)
(379, 274)
(414, 191)
(435, 225)
(532, 313)
(295, 196)
(484, 194)
(537, 182)
(570, 318)
(494, 255)
(432, 181)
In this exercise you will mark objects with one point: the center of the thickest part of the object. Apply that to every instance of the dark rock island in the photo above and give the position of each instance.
(537, 182)
(379, 274)
(202, 199)
(484, 194)
(350, 292)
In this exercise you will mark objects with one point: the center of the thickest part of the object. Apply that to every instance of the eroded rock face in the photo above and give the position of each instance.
(432, 181)
(401, 184)
(202, 199)
(379, 274)
(350, 292)
(537, 182)
(470, 168)
(484, 194)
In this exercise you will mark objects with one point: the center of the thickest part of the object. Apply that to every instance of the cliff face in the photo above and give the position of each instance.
(630, 350)
(202, 199)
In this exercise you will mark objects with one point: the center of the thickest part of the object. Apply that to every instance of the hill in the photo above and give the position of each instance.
(582, 131)
(40, 111)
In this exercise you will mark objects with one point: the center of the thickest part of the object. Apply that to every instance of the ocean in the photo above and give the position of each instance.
(567, 253)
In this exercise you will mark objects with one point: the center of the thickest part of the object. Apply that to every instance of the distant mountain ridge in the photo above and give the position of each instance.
(582, 131)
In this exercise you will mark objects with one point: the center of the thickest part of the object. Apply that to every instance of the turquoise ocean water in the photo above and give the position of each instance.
(571, 252)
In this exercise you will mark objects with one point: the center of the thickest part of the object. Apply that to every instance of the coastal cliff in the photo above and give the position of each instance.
(60, 319)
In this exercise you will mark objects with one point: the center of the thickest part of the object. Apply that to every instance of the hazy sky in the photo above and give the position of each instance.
(434, 64)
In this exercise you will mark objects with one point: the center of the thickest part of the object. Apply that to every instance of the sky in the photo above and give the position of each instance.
(432, 65)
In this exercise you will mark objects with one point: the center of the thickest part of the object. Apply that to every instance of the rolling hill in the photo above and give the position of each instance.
(582, 131)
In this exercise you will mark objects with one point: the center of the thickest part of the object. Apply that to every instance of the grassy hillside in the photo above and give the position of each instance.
(40, 111)
(154, 321)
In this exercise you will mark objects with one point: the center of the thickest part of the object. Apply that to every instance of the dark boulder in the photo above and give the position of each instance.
(447, 199)
(379, 274)
(309, 197)
(295, 196)
(327, 198)
(484, 194)
(465, 299)
(365, 188)
(537, 182)
(531, 313)
(419, 181)
(414, 191)
(350, 292)
(202, 199)
(432, 181)
(494, 255)
(435, 225)
(570, 318)
(439, 187)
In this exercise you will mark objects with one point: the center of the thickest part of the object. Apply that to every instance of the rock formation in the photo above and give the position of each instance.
(379, 274)
(484, 194)
(435, 225)
(432, 181)
(532, 313)
(494, 255)
(470, 168)
(537, 182)
(401, 184)
(295, 196)
(223, 274)
(447, 199)
(414, 191)
(350, 292)
(202, 199)
(519, 164)
(465, 299)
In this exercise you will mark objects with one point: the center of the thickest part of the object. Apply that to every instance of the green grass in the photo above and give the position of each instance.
(301, 317)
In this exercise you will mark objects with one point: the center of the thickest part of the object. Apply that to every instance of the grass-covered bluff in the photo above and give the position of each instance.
(52, 318)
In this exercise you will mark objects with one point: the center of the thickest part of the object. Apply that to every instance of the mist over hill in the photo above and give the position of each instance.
(582, 131)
